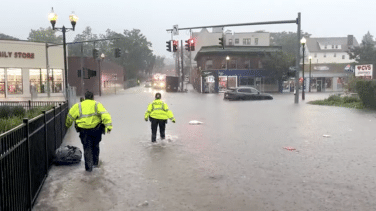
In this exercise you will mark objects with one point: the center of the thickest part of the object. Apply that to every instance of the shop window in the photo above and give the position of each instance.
(57, 80)
(237, 41)
(244, 41)
(315, 55)
(14, 76)
(328, 83)
(343, 56)
(256, 41)
(260, 64)
(222, 83)
(335, 55)
(230, 41)
(247, 64)
(324, 55)
(247, 81)
(38, 79)
(2, 81)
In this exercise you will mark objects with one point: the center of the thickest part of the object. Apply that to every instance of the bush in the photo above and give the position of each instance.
(18, 111)
(334, 98)
(367, 93)
(5, 111)
(348, 99)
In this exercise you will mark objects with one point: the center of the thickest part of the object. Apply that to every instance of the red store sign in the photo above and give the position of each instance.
(21, 55)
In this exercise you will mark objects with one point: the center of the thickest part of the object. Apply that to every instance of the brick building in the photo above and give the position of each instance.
(112, 75)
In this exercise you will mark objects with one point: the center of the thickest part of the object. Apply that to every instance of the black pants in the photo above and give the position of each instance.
(90, 139)
(154, 126)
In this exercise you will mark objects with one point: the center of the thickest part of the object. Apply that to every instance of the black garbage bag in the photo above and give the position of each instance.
(66, 155)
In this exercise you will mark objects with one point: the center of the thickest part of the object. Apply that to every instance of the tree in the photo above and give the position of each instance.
(45, 35)
(366, 52)
(7, 37)
(279, 63)
(86, 35)
(288, 41)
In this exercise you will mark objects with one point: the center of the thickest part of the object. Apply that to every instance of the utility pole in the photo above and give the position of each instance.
(297, 60)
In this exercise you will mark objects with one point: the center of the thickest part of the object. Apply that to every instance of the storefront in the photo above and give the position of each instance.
(23, 69)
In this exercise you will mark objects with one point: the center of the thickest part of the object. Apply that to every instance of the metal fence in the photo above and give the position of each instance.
(27, 105)
(26, 154)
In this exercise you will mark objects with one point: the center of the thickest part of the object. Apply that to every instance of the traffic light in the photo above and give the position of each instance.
(188, 45)
(168, 45)
(221, 43)
(95, 53)
(175, 45)
(117, 52)
(192, 44)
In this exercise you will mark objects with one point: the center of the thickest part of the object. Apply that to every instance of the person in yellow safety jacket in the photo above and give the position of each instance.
(158, 113)
(91, 120)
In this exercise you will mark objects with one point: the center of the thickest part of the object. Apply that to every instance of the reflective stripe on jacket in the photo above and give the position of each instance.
(88, 114)
(159, 110)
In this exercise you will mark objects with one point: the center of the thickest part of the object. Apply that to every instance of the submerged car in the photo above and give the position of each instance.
(246, 93)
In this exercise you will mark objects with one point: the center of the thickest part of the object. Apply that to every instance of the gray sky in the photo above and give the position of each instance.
(321, 18)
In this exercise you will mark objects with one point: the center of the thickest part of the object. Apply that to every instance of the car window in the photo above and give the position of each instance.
(242, 90)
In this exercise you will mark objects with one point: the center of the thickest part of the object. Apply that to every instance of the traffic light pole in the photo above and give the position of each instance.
(82, 71)
(182, 67)
(296, 21)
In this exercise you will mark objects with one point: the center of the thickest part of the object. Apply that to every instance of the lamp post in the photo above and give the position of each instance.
(100, 73)
(303, 42)
(310, 59)
(52, 17)
(227, 61)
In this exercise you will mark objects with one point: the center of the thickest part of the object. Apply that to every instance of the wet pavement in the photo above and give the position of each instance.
(236, 160)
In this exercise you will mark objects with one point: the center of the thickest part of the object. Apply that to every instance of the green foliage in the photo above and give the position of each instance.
(7, 37)
(18, 111)
(336, 100)
(5, 111)
(351, 85)
(136, 56)
(367, 93)
(366, 52)
(288, 41)
(45, 35)
(10, 121)
(279, 62)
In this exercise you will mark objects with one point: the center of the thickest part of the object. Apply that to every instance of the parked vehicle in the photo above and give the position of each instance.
(172, 83)
(246, 93)
(147, 84)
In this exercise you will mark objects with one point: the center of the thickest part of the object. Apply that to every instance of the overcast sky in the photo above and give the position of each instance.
(321, 18)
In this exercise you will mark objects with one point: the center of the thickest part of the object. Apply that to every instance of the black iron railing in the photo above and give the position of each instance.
(27, 105)
(26, 154)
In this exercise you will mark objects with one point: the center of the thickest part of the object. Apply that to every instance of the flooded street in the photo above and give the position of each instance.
(235, 160)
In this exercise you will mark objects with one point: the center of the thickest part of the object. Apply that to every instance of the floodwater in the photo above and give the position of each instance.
(235, 160)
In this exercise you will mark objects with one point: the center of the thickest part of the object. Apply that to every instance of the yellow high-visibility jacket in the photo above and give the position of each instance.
(88, 114)
(159, 110)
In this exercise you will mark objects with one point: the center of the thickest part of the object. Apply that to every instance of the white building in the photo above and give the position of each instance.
(330, 49)
(329, 60)
(23, 66)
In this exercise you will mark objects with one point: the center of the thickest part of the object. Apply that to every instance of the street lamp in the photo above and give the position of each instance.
(310, 59)
(52, 17)
(100, 73)
(303, 42)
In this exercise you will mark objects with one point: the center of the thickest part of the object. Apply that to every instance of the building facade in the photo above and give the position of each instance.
(23, 68)
(111, 74)
(219, 69)
(329, 61)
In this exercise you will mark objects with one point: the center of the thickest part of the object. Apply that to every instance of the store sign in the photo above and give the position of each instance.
(320, 68)
(17, 55)
(364, 70)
